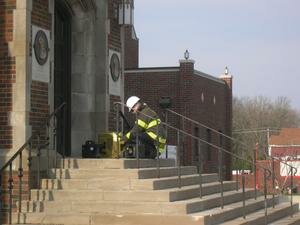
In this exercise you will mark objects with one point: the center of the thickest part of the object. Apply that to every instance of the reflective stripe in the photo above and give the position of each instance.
(128, 135)
(142, 124)
(153, 123)
(161, 149)
(154, 137)
(162, 140)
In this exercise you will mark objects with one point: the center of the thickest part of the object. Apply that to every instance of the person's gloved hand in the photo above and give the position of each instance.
(121, 137)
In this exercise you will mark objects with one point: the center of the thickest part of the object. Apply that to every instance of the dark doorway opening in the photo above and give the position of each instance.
(62, 76)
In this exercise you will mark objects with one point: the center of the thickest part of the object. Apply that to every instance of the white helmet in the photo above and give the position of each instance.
(131, 101)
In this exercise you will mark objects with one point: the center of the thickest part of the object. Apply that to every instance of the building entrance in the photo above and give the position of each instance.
(62, 76)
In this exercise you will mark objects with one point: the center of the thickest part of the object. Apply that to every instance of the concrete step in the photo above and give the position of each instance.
(115, 219)
(192, 191)
(105, 207)
(173, 182)
(258, 218)
(43, 218)
(143, 173)
(175, 208)
(153, 219)
(74, 163)
(288, 220)
(126, 183)
(232, 211)
(212, 201)
(99, 195)
(173, 194)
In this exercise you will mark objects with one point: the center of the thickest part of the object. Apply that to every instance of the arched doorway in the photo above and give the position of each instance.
(62, 76)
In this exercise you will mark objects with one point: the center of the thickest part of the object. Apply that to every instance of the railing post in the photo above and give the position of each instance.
(200, 168)
(157, 153)
(255, 174)
(55, 142)
(237, 179)
(292, 175)
(48, 140)
(265, 193)
(38, 162)
(166, 132)
(221, 171)
(29, 163)
(183, 140)
(118, 129)
(20, 175)
(273, 182)
(179, 159)
(64, 149)
(10, 187)
(244, 195)
(137, 144)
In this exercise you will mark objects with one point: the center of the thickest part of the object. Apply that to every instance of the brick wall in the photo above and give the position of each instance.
(39, 107)
(131, 53)
(114, 37)
(7, 71)
(209, 106)
(40, 15)
(185, 89)
(283, 151)
(150, 87)
(112, 115)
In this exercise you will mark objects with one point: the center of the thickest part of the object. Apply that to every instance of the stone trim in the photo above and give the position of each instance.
(152, 70)
(196, 72)
(19, 117)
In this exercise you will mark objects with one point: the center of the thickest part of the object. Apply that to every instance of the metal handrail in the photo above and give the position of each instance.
(267, 172)
(227, 136)
(32, 137)
(231, 138)
(293, 170)
(19, 152)
(197, 138)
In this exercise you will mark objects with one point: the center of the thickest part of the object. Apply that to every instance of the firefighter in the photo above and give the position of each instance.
(147, 127)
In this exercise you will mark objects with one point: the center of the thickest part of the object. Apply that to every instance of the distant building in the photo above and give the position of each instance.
(286, 144)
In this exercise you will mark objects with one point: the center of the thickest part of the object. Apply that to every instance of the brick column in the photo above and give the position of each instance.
(186, 71)
(228, 126)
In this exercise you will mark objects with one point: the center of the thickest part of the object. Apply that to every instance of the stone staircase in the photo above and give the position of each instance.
(115, 192)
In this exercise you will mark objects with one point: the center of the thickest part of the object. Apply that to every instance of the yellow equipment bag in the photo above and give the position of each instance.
(112, 147)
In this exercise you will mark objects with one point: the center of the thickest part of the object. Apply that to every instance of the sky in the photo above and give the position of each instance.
(259, 41)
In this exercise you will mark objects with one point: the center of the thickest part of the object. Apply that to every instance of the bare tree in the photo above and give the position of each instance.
(254, 119)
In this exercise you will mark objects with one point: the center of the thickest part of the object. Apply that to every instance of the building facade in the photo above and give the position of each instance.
(285, 144)
(74, 51)
(54, 52)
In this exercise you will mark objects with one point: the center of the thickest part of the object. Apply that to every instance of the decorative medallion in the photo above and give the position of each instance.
(41, 47)
(115, 67)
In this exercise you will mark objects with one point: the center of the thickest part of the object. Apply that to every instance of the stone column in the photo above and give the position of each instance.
(19, 117)
(101, 79)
